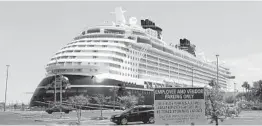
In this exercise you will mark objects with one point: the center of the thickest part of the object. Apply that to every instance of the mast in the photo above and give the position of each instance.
(120, 18)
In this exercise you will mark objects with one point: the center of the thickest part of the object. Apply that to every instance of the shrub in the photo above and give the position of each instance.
(257, 107)
(230, 99)
(215, 107)
(128, 101)
(245, 104)
(232, 110)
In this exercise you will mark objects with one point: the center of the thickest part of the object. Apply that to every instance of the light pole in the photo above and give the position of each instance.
(55, 91)
(61, 83)
(235, 93)
(55, 84)
(217, 69)
(114, 98)
(192, 76)
(7, 66)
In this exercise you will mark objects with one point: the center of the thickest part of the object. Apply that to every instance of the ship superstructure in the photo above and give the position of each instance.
(135, 55)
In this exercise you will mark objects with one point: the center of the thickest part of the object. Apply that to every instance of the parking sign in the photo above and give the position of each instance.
(179, 106)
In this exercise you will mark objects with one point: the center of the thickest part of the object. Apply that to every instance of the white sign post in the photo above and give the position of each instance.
(179, 106)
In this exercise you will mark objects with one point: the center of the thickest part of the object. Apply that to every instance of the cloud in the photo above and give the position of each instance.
(254, 69)
(246, 68)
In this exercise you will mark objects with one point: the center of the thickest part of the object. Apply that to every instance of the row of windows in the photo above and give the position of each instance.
(80, 43)
(71, 70)
(113, 31)
(163, 61)
(163, 75)
(128, 68)
(152, 63)
(97, 30)
(64, 63)
(65, 70)
(152, 68)
(82, 63)
(139, 33)
(64, 57)
(152, 73)
(88, 50)
(131, 63)
(156, 41)
(114, 65)
(99, 36)
(123, 73)
(87, 41)
(144, 92)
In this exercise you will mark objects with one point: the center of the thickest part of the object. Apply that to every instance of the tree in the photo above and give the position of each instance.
(114, 91)
(258, 90)
(212, 83)
(78, 102)
(128, 101)
(15, 106)
(245, 85)
(240, 95)
(230, 99)
(141, 98)
(215, 107)
(121, 90)
(22, 106)
(101, 100)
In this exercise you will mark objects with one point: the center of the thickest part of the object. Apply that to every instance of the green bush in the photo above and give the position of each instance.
(257, 107)
(230, 99)
(232, 111)
(245, 104)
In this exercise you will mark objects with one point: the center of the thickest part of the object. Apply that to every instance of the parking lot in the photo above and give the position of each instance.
(42, 118)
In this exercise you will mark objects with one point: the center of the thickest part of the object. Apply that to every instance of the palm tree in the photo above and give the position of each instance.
(245, 85)
(212, 83)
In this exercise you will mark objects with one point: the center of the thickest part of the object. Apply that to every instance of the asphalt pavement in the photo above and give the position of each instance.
(42, 118)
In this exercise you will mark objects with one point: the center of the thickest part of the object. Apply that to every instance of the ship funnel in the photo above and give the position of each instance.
(120, 18)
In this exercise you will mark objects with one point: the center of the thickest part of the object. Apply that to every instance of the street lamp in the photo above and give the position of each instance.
(235, 93)
(61, 83)
(192, 76)
(55, 84)
(7, 66)
(217, 69)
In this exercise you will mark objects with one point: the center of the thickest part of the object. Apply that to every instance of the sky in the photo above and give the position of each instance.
(32, 32)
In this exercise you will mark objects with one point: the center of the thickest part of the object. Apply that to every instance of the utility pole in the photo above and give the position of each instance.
(55, 91)
(61, 83)
(235, 93)
(217, 69)
(114, 98)
(55, 85)
(7, 66)
(192, 76)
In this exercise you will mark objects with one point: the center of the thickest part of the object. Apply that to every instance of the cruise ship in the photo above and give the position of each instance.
(128, 53)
